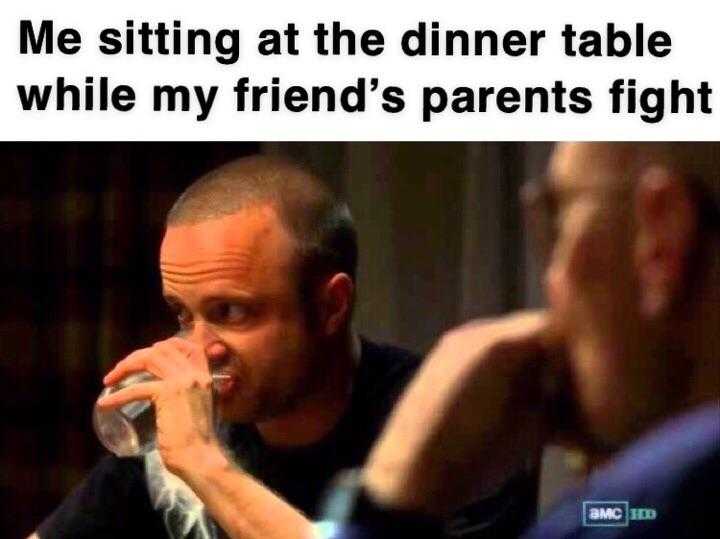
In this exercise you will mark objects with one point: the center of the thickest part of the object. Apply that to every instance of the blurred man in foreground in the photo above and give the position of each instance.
(625, 364)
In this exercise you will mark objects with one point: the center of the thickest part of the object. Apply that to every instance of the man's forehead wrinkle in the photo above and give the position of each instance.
(180, 285)
(231, 257)
(230, 265)
(178, 280)
(203, 273)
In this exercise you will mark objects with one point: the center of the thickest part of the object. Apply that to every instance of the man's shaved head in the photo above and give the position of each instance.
(320, 224)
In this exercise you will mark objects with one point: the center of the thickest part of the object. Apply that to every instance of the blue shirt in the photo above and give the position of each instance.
(674, 470)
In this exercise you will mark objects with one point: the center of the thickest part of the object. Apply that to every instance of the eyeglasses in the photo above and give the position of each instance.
(541, 205)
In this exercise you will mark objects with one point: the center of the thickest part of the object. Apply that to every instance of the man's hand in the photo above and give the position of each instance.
(186, 439)
(182, 397)
(471, 419)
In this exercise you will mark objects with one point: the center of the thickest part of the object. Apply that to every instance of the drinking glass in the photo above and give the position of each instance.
(129, 430)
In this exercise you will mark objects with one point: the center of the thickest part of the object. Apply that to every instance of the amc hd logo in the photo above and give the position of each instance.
(613, 513)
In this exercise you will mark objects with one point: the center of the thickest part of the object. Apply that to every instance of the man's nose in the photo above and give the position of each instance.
(203, 334)
(216, 352)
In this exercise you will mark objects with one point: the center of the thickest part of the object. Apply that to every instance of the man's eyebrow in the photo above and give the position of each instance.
(244, 297)
(230, 296)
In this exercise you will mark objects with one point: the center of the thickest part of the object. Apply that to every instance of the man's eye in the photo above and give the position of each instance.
(228, 313)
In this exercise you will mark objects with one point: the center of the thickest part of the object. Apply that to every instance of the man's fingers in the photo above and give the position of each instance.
(162, 360)
(185, 351)
(135, 362)
(169, 359)
(518, 343)
(142, 391)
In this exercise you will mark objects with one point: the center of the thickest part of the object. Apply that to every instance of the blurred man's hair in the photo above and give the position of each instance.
(321, 225)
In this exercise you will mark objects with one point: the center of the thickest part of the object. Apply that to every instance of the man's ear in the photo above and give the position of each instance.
(335, 301)
(666, 226)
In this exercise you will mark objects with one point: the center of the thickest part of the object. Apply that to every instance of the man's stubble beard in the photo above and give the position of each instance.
(270, 403)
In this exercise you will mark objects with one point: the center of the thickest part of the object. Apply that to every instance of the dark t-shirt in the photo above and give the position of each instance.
(113, 501)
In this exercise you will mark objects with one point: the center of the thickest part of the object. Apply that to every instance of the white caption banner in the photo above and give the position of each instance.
(658, 72)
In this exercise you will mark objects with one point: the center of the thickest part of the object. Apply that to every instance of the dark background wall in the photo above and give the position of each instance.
(440, 241)
(80, 226)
